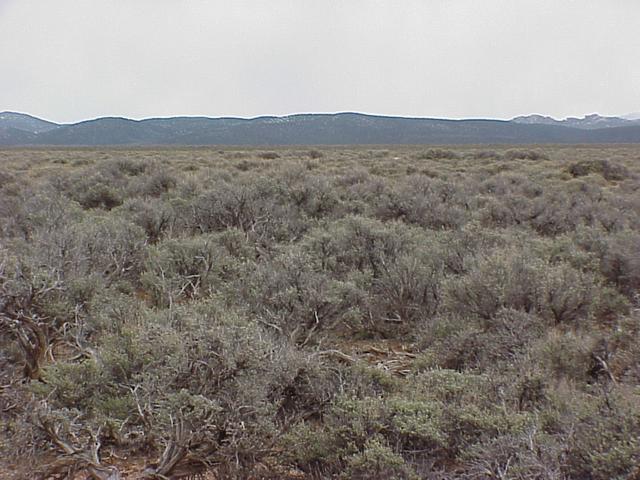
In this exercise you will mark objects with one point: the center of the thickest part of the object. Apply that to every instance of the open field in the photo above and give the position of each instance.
(310, 313)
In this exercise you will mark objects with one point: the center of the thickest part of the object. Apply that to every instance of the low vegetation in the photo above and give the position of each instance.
(343, 313)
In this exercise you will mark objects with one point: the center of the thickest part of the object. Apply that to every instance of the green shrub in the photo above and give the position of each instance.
(437, 154)
(605, 443)
(290, 293)
(424, 201)
(565, 355)
(381, 313)
(154, 217)
(505, 279)
(269, 155)
(179, 269)
(377, 460)
(96, 191)
(530, 454)
(567, 295)
(609, 170)
(408, 289)
(525, 155)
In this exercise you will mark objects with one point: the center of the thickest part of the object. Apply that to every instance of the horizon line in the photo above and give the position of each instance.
(262, 116)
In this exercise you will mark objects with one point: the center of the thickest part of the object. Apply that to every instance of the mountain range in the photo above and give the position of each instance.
(590, 122)
(19, 129)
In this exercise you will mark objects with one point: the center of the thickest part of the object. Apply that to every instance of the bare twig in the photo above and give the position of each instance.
(74, 459)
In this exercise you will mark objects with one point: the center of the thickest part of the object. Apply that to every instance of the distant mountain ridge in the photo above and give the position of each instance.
(28, 123)
(592, 121)
(17, 129)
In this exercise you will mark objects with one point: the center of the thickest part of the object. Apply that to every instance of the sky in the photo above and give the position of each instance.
(70, 60)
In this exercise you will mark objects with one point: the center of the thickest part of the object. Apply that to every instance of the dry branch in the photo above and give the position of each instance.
(73, 459)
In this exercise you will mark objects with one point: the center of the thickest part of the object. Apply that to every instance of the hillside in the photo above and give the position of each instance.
(314, 129)
(24, 122)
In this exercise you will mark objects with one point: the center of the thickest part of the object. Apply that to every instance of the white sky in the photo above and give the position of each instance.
(68, 60)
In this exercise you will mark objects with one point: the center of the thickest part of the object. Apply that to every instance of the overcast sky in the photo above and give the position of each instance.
(68, 60)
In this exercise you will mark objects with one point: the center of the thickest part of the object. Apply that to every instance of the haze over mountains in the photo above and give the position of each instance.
(18, 129)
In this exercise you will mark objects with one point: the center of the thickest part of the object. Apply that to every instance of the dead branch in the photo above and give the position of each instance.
(337, 354)
(33, 342)
(605, 367)
(175, 451)
(74, 459)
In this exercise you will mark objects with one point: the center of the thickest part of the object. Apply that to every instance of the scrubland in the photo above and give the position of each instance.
(347, 313)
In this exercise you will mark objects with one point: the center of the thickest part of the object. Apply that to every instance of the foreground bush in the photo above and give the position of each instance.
(328, 313)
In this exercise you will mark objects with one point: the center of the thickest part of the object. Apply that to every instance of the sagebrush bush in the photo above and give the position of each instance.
(506, 279)
(609, 170)
(525, 155)
(397, 312)
(180, 269)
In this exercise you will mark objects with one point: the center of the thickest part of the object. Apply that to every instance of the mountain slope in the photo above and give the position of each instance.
(13, 137)
(24, 122)
(102, 131)
(319, 129)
